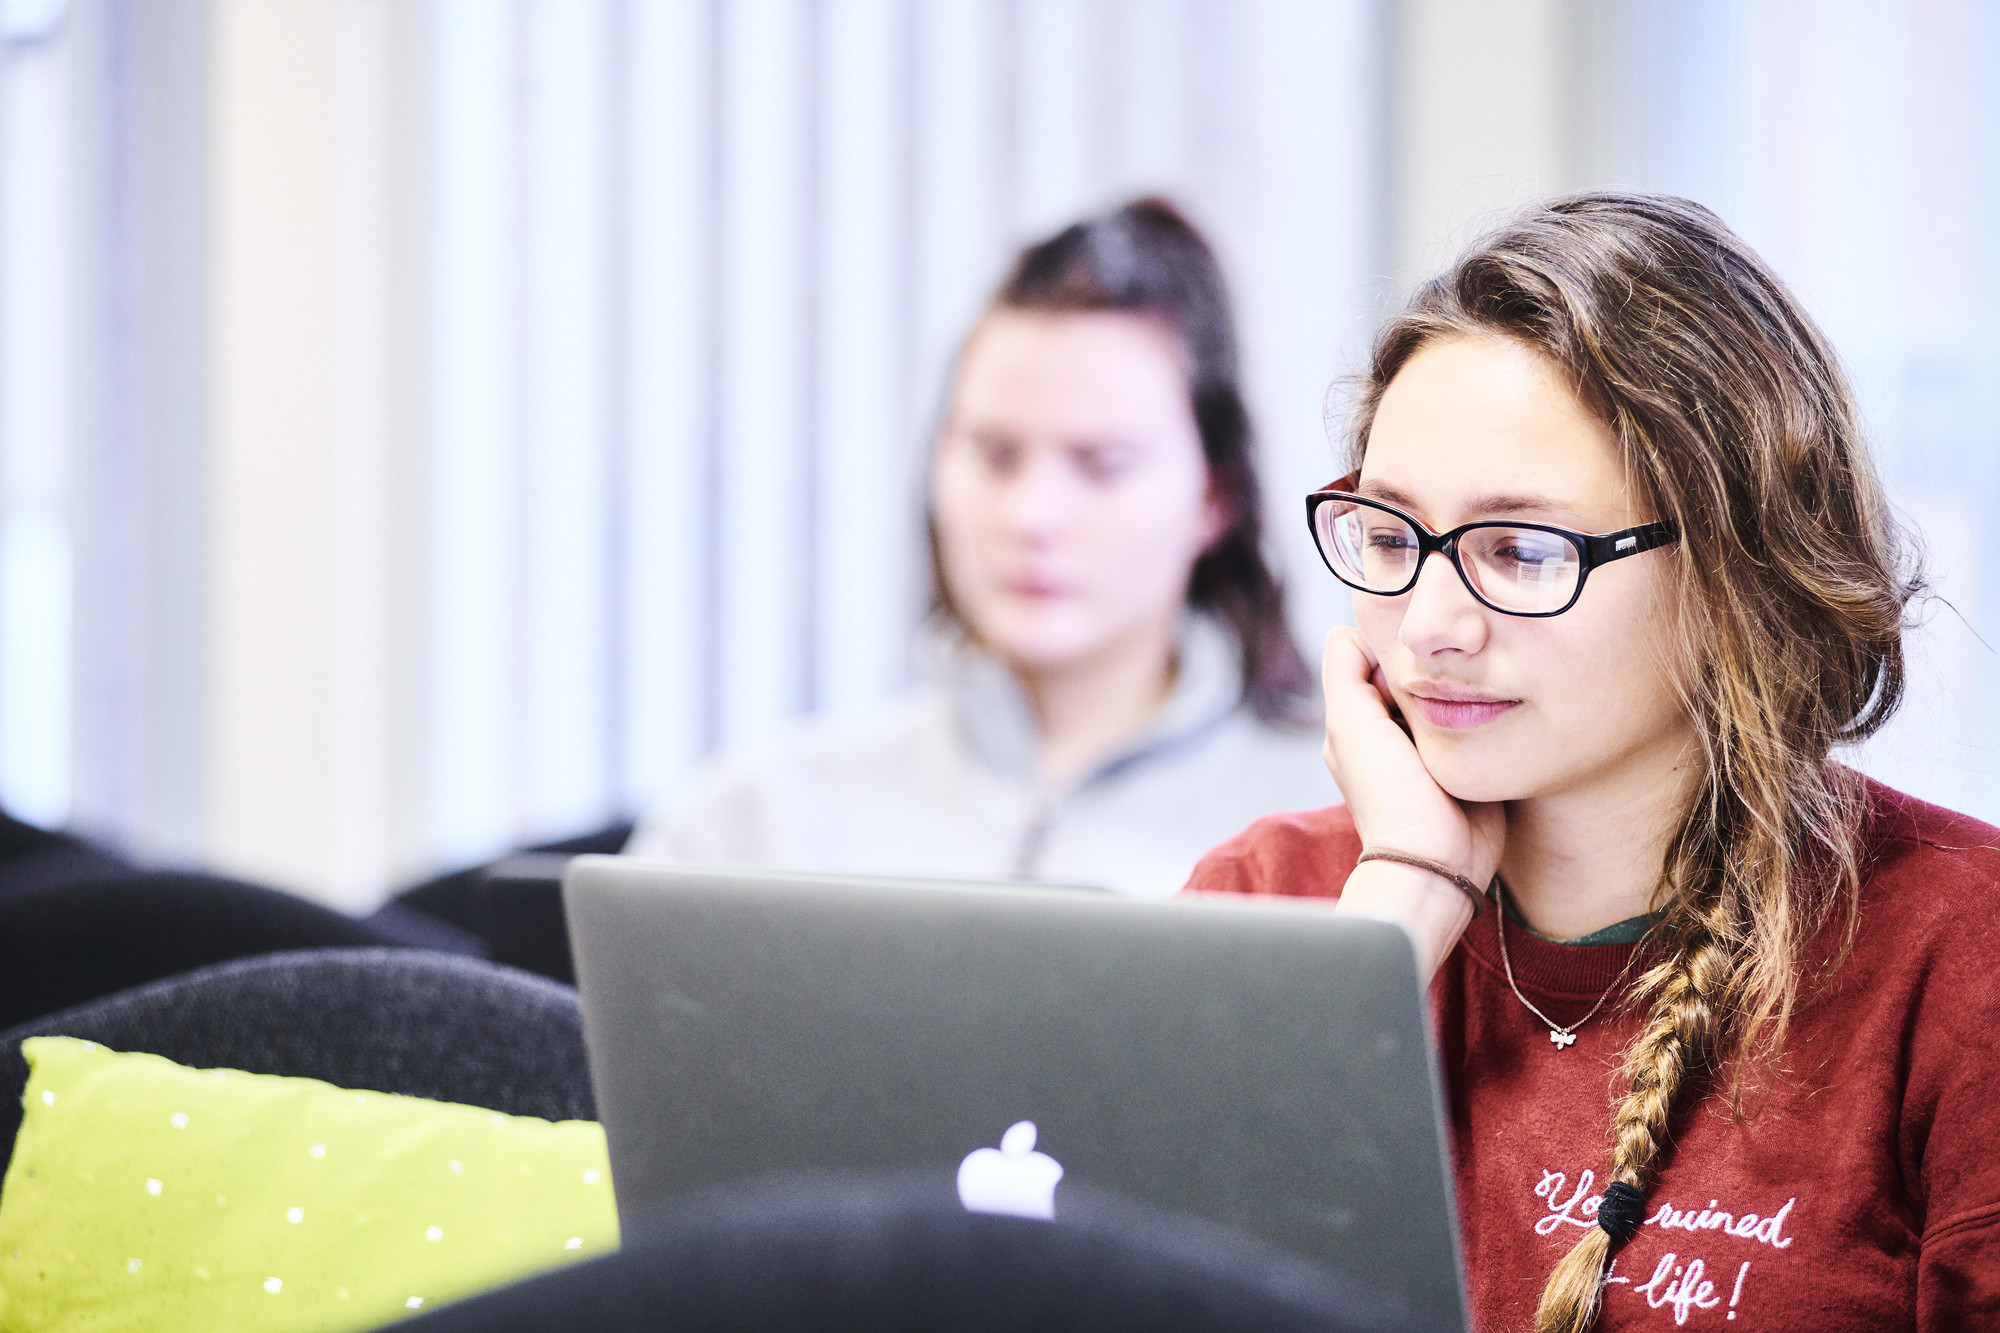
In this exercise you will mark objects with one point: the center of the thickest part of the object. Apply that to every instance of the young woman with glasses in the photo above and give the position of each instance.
(1718, 1015)
(1111, 686)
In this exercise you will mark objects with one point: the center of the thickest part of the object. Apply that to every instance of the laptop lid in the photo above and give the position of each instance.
(1262, 1066)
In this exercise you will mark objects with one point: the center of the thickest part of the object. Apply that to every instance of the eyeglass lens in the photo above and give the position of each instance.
(1515, 569)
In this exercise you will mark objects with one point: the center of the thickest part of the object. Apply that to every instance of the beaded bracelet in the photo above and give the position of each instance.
(1438, 868)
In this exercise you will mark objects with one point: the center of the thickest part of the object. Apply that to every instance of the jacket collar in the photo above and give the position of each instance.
(993, 717)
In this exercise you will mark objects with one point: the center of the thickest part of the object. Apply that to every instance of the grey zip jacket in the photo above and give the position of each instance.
(943, 782)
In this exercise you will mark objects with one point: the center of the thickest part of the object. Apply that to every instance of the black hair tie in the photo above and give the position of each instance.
(1621, 1212)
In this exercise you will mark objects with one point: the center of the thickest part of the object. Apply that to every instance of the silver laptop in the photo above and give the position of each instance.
(1262, 1066)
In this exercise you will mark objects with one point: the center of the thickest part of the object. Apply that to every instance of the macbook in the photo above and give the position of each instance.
(1262, 1066)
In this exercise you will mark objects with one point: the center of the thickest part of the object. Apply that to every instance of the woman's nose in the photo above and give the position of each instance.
(1034, 500)
(1441, 614)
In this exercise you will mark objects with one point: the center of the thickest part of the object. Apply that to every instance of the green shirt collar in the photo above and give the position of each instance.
(1629, 931)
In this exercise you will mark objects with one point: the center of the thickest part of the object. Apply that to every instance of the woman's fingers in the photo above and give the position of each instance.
(1345, 660)
(1381, 684)
(1356, 705)
(1357, 695)
(1352, 679)
(1368, 749)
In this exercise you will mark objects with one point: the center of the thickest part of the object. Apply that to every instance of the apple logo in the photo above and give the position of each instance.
(1012, 1179)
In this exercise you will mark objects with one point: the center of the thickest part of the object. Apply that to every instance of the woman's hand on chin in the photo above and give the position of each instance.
(1399, 807)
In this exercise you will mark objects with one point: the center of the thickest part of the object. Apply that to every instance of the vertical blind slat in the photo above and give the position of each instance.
(667, 385)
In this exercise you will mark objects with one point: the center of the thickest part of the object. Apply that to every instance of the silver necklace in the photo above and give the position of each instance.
(1562, 1038)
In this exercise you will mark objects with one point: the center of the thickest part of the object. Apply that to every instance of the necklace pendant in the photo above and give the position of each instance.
(1562, 1039)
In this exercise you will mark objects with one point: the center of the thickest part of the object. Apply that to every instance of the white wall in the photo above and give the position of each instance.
(37, 178)
(304, 771)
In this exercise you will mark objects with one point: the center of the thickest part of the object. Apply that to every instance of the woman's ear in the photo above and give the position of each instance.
(1217, 514)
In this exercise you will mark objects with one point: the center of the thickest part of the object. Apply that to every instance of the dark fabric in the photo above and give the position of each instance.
(1629, 931)
(523, 924)
(67, 943)
(387, 1020)
(518, 915)
(894, 1255)
(421, 930)
(78, 921)
(35, 858)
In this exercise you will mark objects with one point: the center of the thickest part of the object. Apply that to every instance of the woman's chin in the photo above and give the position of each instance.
(1464, 778)
(1046, 641)
(1049, 664)
(1036, 652)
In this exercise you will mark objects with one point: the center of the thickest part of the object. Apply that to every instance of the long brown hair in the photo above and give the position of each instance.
(1737, 426)
(1147, 259)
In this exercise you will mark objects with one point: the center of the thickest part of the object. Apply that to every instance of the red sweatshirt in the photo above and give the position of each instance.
(1864, 1191)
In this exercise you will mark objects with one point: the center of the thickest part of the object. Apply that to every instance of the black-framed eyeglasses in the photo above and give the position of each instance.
(1517, 569)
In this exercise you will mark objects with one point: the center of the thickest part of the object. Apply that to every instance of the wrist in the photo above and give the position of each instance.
(1473, 891)
(1432, 910)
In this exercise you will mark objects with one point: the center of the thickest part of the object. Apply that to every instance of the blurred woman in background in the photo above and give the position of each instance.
(1111, 687)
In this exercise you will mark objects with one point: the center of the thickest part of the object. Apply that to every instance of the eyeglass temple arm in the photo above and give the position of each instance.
(1631, 541)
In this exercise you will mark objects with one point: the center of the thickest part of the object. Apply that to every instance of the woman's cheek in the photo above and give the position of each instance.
(1127, 559)
(967, 575)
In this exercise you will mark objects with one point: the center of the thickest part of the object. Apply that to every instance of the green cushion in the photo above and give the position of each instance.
(146, 1195)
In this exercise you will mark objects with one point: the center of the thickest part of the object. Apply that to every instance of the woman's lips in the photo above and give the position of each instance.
(1460, 714)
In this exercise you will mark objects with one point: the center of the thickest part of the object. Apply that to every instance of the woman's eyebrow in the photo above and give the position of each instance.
(1495, 503)
(1100, 443)
(1520, 504)
(1387, 494)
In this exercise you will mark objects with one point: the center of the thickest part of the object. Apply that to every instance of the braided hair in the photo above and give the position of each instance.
(1792, 582)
